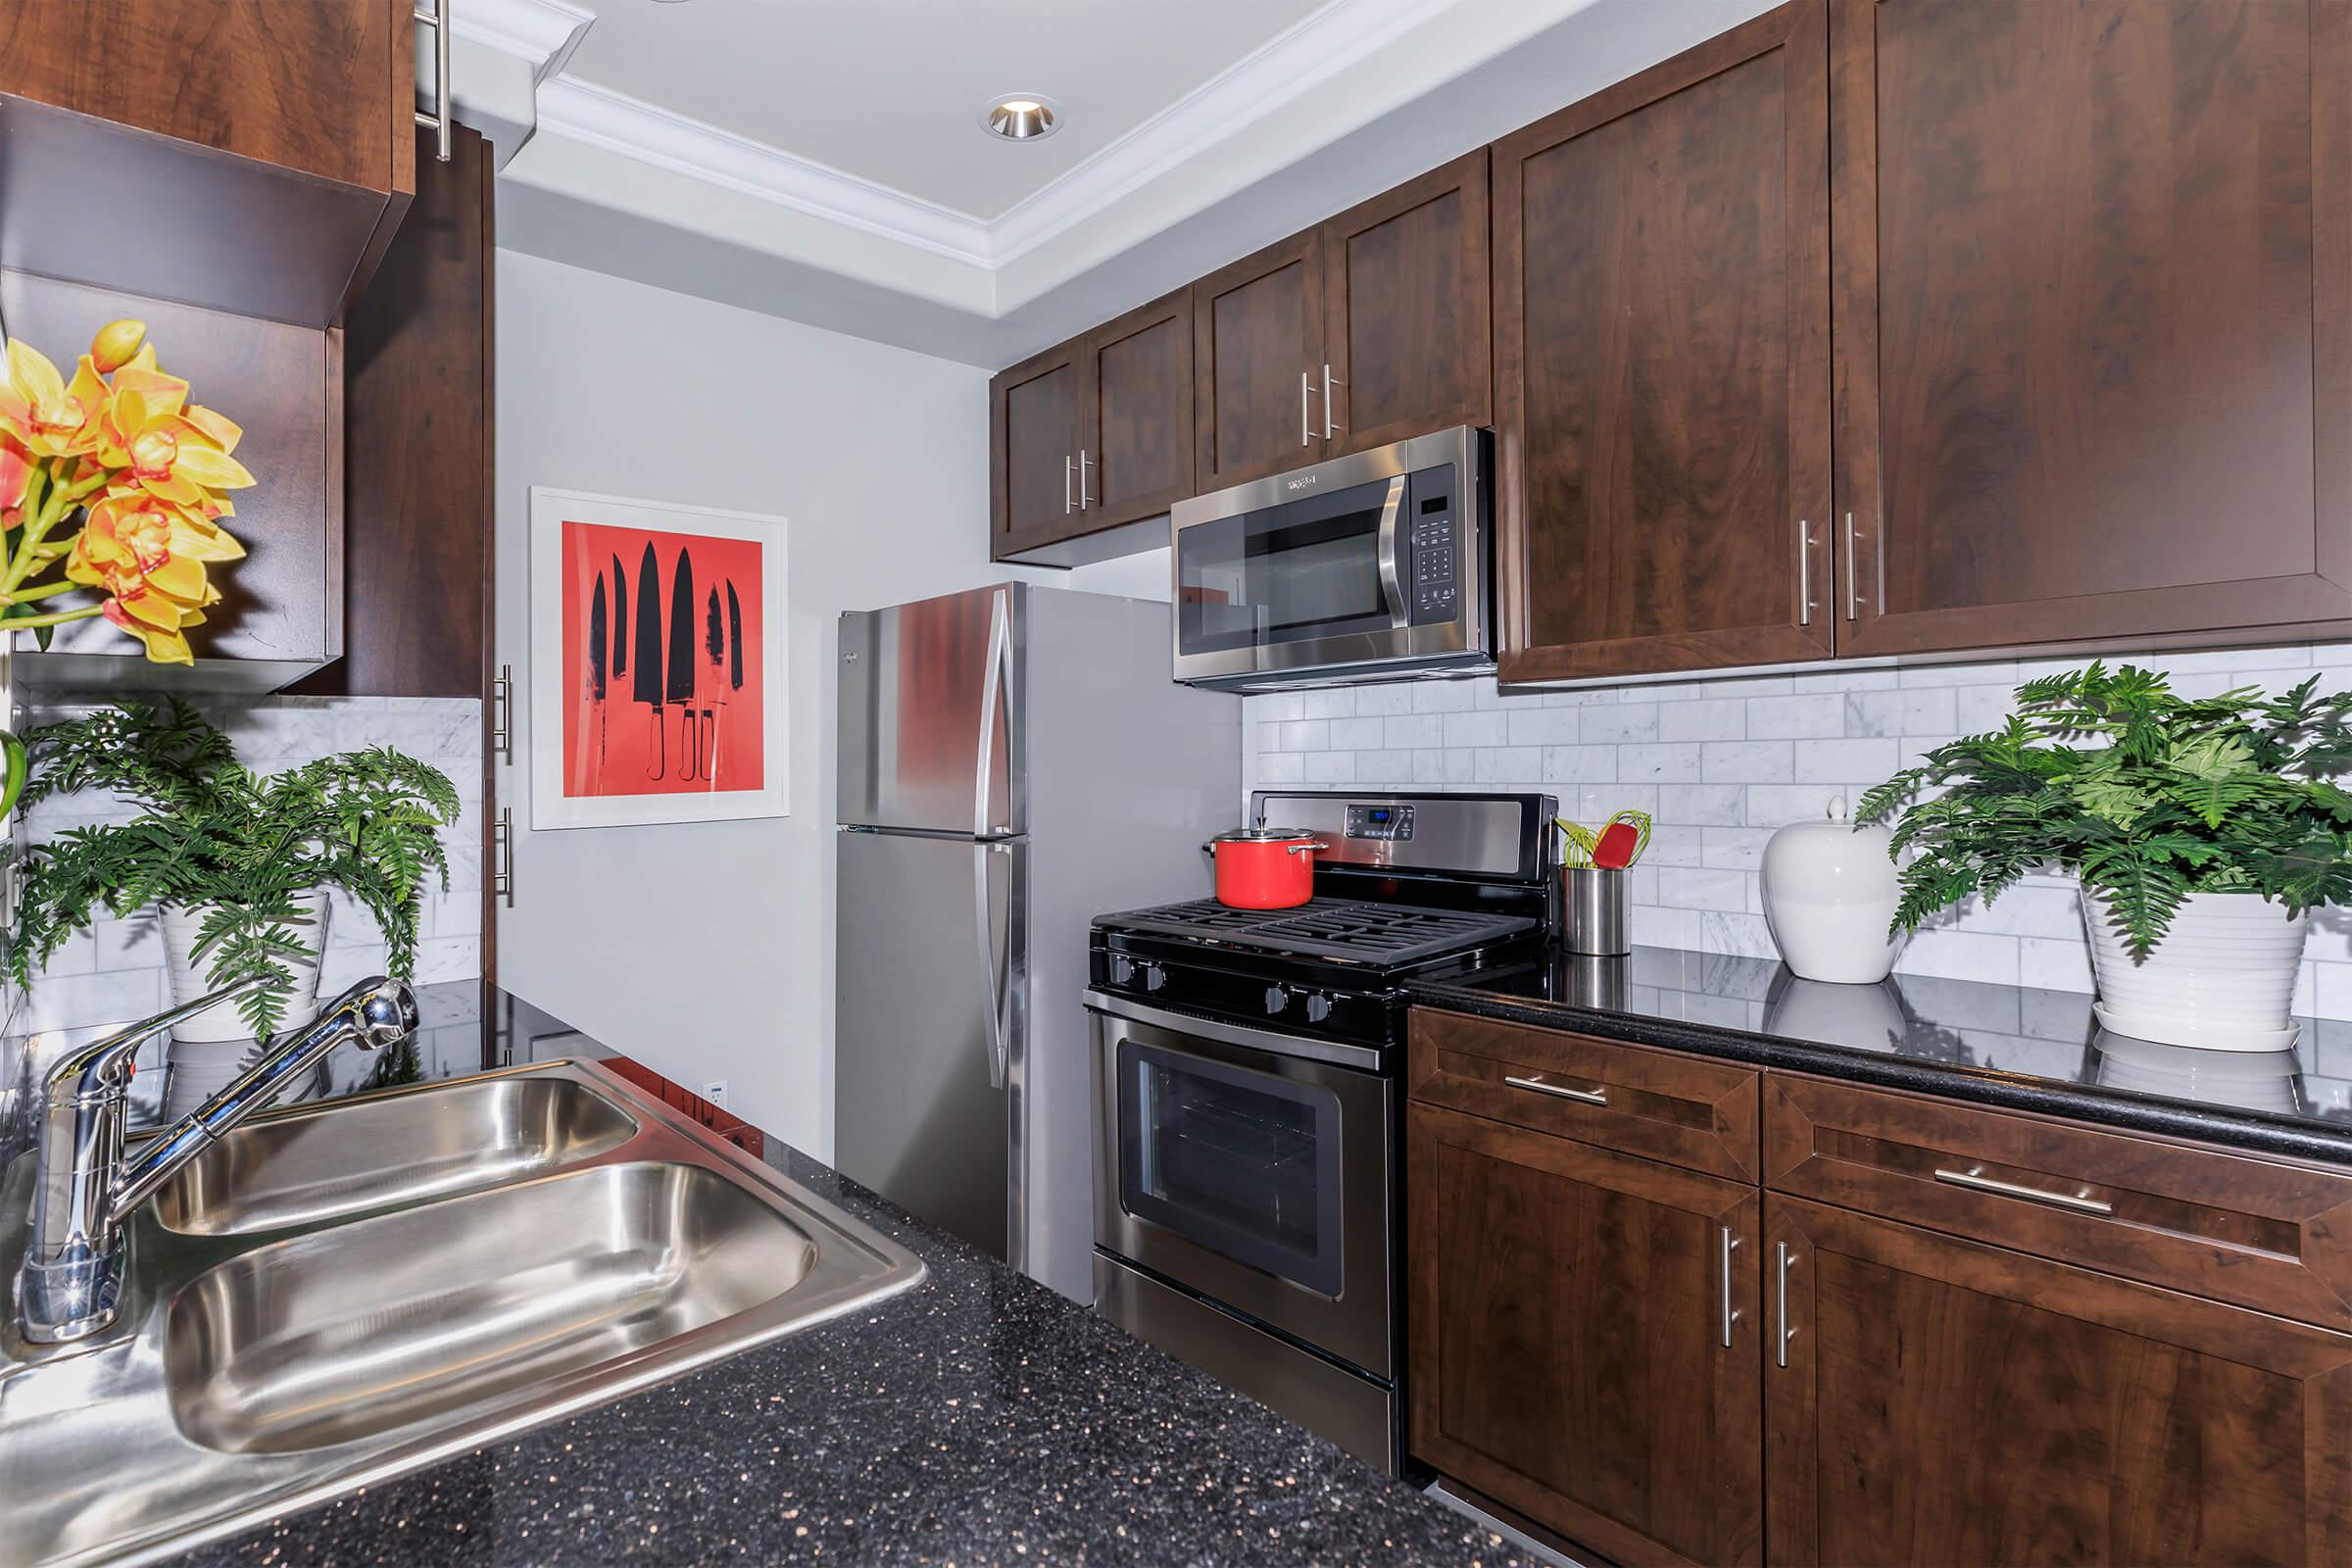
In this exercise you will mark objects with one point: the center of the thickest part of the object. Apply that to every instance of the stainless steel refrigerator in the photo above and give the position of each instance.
(1014, 762)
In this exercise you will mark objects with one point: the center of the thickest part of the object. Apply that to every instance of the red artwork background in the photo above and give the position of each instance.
(612, 748)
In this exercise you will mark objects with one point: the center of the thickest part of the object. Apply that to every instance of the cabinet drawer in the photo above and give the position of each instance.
(2224, 1226)
(1655, 1103)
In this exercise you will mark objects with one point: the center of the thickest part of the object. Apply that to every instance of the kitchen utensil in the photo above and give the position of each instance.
(1576, 842)
(1829, 895)
(1264, 867)
(715, 647)
(599, 634)
(620, 619)
(1598, 915)
(646, 638)
(678, 689)
(1621, 841)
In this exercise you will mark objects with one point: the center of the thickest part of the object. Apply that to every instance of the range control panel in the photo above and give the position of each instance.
(1432, 502)
(1380, 821)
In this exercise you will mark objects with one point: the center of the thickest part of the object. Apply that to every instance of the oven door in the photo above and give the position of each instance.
(1231, 1163)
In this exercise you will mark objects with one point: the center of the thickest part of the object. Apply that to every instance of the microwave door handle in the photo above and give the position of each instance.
(1392, 576)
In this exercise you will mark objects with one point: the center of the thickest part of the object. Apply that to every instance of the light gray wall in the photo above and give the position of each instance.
(705, 948)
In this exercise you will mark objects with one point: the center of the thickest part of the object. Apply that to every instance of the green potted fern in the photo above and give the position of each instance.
(237, 863)
(2202, 830)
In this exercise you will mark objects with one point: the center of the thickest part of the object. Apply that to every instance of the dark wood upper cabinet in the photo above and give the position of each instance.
(1406, 336)
(1661, 317)
(1568, 1319)
(1035, 426)
(1257, 363)
(1137, 447)
(419, 464)
(1946, 1402)
(2093, 319)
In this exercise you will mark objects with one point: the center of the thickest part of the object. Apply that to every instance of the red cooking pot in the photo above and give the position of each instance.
(1265, 868)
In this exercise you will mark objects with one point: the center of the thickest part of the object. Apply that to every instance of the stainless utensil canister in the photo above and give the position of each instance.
(1598, 919)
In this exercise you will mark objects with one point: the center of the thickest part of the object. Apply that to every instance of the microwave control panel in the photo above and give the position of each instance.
(1435, 570)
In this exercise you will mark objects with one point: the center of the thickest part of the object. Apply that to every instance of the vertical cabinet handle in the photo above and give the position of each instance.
(1084, 500)
(1330, 426)
(1068, 505)
(1805, 572)
(1305, 429)
(501, 840)
(1853, 595)
(441, 119)
(502, 712)
(1731, 1313)
(1782, 1333)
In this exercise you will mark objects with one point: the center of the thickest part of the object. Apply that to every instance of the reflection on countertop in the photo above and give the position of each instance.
(2024, 1037)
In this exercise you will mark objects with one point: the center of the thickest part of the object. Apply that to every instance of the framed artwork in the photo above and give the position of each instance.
(656, 663)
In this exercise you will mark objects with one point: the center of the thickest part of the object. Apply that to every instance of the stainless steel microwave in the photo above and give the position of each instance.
(1372, 566)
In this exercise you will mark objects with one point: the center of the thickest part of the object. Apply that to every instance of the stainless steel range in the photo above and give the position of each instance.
(1247, 1102)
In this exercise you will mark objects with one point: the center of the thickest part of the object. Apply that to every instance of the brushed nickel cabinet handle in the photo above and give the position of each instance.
(1974, 1178)
(1067, 505)
(1731, 1313)
(1590, 1097)
(501, 843)
(1853, 596)
(1084, 500)
(443, 116)
(1785, 1262)
(1305, 430)
(1805, 572)
(502, 712)
(1330, 426)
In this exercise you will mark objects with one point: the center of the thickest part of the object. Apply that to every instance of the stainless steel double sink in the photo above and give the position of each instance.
(337, 1294)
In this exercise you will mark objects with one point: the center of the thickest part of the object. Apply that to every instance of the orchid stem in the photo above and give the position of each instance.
(56, 617)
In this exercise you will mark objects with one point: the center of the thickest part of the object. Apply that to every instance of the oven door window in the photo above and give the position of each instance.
(1245, 1164)
(1289, 573)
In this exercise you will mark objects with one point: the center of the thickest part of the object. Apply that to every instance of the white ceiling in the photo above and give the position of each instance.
(891, 91)
(820, 159)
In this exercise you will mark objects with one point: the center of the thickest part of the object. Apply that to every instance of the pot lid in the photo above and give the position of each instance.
(1261, 835)
(1835, 822)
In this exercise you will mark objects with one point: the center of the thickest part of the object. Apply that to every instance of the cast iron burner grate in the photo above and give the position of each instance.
(1328, 928)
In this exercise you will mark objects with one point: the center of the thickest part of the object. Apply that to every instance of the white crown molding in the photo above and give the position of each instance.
(540, 33)
(632, 129)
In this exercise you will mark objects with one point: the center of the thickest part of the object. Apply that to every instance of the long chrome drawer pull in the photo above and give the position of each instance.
(1590, 1097)
(2081, 1201)
(1788, 1261)
(1730, 1315)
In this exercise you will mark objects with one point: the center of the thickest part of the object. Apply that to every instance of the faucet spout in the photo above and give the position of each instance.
(70, 1283)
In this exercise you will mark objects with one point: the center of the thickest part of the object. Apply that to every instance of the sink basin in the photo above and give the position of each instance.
(346, 1333)
(341, 1293)
(326, 1161)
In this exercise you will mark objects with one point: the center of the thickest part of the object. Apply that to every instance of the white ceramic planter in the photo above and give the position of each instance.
(182, 926)
(1829, 893)
(2222, 979)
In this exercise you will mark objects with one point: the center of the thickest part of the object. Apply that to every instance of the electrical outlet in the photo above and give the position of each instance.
(716, 1091)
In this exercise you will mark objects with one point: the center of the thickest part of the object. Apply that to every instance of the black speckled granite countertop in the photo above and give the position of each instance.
(979, 1418)
(1998, 1045)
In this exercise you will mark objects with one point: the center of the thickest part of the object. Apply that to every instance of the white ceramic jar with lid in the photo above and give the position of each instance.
(1829, 893)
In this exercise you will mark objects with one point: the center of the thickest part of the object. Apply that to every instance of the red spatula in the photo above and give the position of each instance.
(1621, 841)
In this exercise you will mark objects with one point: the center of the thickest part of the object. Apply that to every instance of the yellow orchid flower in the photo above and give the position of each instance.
(165, 644)
(171, 455)
(50, 417)
(115, 343)
(16, 472)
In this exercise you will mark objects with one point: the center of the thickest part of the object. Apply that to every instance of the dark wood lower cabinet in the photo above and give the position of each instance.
(1568, 1338)
(1947, 1402)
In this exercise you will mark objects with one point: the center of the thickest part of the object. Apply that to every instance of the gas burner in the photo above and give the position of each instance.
(1342, 930)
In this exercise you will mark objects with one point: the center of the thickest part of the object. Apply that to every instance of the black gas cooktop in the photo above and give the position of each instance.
(1341, 930)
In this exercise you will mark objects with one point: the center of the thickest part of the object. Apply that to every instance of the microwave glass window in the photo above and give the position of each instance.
(1303, 570)
(1243, 1162)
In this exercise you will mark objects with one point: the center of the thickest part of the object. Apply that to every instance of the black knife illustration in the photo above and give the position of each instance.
(646, 634)
(715, 644)
(734, 681)
(596, 668)
(620, 620)
(678, 689)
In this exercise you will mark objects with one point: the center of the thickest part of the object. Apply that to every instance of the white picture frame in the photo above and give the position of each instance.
(558, 714)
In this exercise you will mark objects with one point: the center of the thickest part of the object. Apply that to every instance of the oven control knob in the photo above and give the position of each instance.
(1318, 1008)
(1122, 970)
(1155, 977)
(1277, 998)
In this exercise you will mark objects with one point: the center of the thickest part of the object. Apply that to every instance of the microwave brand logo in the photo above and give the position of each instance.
(1304, 481)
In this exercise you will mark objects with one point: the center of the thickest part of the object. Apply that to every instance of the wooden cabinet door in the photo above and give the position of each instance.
(2093, 319)
(1035, 426)
(1661, 315)
(1568, 1326)
(325, 86)
(1258, 363)
(1137, 449)
(1944, 1401)
(1406, 333)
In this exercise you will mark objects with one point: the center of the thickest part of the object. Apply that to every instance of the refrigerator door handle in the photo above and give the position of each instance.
(993, 676)
(984, 922)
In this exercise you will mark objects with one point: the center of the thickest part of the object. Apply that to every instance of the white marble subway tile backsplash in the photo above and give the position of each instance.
(116, 970)
(1722, 761)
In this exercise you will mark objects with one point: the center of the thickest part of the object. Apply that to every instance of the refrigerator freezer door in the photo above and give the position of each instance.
(931, 732)
(930, 1024)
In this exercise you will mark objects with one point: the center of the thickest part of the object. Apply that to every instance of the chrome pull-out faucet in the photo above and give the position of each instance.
(70, 1283)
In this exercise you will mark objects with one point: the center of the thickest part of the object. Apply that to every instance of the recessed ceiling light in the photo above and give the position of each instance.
(1023, 117)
